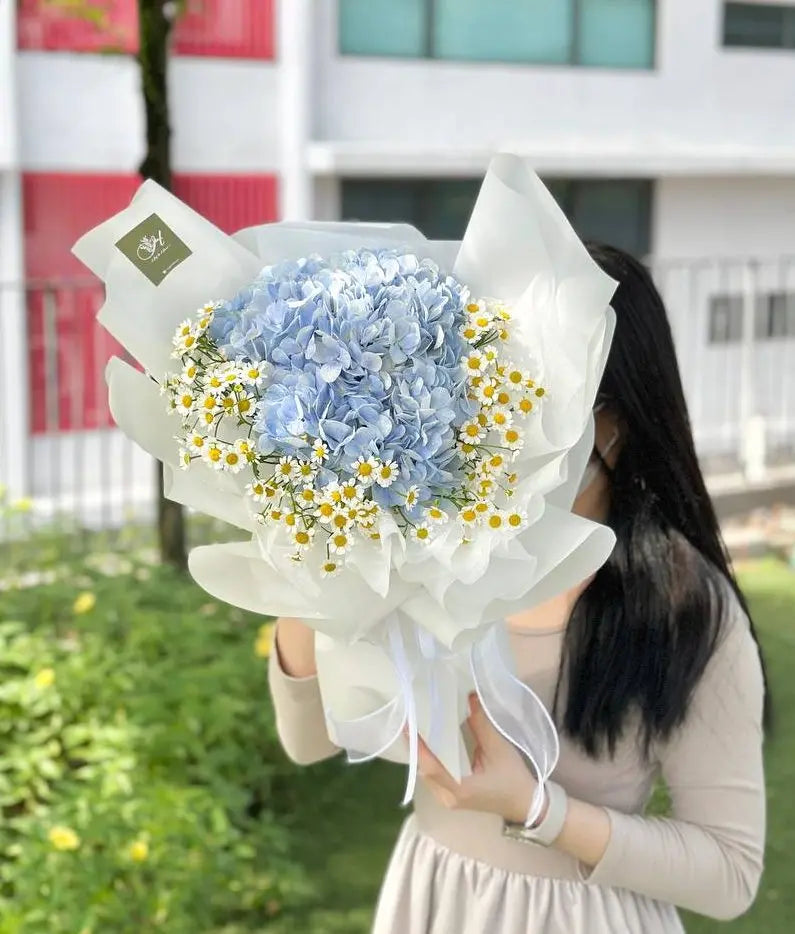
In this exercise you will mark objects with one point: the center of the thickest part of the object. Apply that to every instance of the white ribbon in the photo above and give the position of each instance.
(513, 708)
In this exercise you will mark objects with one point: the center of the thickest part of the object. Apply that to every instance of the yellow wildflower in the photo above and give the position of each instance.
(264, 642)
(139, 850)
(64, 838)
(84, 603)
(44, 678)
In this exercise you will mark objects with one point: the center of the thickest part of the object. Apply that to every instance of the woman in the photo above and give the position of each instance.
(651, 668)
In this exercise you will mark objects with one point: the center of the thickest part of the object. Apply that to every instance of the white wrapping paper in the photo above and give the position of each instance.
(404, 630)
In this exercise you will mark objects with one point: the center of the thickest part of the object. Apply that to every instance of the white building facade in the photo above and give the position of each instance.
(665, 127)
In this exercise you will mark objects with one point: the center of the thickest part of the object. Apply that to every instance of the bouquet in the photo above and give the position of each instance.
(400, 425)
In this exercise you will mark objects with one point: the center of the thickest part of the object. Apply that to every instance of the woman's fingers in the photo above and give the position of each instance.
(482, 729)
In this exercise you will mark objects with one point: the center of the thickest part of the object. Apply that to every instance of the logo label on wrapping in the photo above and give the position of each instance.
(153, 248)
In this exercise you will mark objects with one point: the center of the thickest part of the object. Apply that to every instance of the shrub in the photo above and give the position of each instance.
(141, 783)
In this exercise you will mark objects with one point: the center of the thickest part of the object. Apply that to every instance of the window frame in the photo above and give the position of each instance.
(421, 190)
(788, 27)
(428, 54)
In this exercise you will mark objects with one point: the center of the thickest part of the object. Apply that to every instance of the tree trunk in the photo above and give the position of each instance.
(155, 18)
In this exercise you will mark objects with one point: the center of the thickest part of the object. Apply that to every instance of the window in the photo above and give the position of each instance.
(725, 319)
(760, 26)
(607, 33)
(774, 317)
(614, 211)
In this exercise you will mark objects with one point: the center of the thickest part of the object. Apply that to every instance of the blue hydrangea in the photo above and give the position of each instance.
(366, 355)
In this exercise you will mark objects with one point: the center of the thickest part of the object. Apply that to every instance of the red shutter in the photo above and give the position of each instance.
(222, 28)
(226, 28)
(68, 349)
(230, 201)
(90, 26)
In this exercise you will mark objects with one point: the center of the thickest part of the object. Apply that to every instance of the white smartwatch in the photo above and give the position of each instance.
(548, 829)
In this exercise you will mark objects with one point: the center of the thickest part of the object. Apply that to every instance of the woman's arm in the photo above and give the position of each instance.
(708, 856)
(292, 676)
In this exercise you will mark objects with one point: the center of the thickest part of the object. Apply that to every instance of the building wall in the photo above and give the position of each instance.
(704, 109)
(711, 125)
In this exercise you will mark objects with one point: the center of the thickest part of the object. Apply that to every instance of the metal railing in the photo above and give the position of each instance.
(733, 322)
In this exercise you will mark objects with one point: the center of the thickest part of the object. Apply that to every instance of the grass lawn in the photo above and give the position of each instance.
(346, 838)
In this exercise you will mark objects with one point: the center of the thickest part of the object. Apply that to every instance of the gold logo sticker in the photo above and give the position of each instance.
(153, 248)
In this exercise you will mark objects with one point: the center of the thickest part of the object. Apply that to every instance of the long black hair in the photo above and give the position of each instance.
(642, 632)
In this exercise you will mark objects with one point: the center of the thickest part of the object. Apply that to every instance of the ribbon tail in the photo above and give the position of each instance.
(515, 711)
(370, 736)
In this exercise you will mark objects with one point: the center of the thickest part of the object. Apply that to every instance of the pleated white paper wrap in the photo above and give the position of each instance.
(407, 630)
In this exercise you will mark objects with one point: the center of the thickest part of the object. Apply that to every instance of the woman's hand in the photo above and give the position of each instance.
(500, 783)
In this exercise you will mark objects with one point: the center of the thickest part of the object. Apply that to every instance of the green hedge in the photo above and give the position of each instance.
(141, 783)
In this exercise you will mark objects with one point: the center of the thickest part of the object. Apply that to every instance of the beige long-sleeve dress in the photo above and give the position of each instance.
(452, 872)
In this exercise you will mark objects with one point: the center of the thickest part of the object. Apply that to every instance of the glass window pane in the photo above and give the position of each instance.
(616, 33)
(440, 208)
(617, 212)
(447, 207)
(503, 30)
(380, 200)
(383, 27)
(754, 25)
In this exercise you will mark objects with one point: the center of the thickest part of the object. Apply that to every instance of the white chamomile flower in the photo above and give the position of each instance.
(495, 464)
(468, 515)
(501, 417)
(364, 469)
(386, 473)
(302, 539)
(325, 511)
(496, 520)
(255, 373)
(350, 491)
(341, 520)
(190, 371)
(471, 432)
(516, 521)
(475, 363)
(196, 443)
(256, 490)
(486, 391)
(307, 497)
(483, 509)
(213, 454)
(205, 315)
(286, 470)
(232, 460)
(306, 471)
(526, 405)
(476, 308)
(184, 401)
(340, 543)
(245, 448)
(512, 439)
(208, 403)
(515, 376)
(469, 332)
(245, 405)
(215, 381)
(436, 515)
(367, 514)
(319, 451)
(412, 497)
(184, 458)
(330, 568)
(421, 532)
